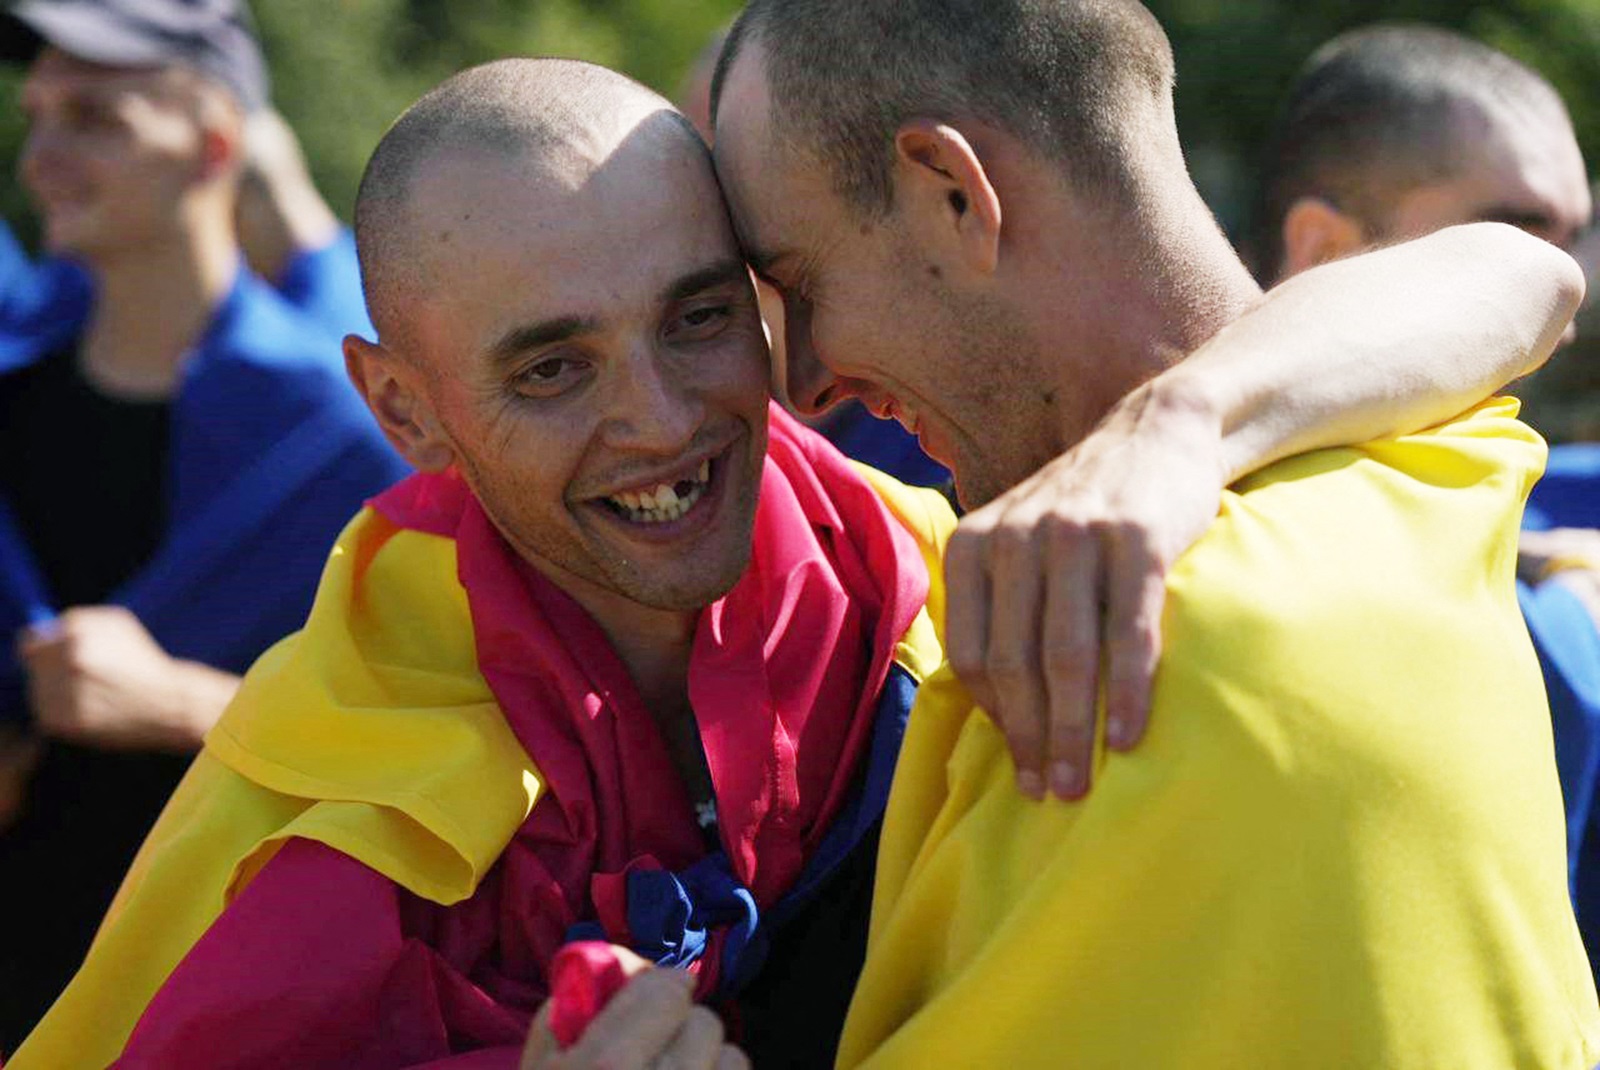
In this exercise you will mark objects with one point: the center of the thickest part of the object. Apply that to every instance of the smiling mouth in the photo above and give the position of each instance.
(663, 503)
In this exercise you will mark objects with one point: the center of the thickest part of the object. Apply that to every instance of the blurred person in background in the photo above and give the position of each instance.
(175, 456)
(291, 238)
(1396, 130)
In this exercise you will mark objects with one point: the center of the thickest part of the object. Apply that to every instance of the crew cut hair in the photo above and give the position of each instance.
(1063, 76)
(1375, 113)
(534, 107)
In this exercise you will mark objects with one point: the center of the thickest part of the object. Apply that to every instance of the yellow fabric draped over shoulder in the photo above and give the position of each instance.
(371, 731)
(1340, 844)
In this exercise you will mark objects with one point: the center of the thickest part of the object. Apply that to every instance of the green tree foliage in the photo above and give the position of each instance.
(343, 69)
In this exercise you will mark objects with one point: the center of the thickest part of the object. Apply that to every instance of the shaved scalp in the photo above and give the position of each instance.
(538, 112)
(1071, 78)
(1378, 112)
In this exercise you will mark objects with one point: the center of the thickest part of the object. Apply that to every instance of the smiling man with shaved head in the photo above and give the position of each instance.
(629, 661)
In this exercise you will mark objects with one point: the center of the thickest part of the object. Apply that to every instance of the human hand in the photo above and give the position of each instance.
(96, 676)
(652, 1022)
(1543, 554)
(1061, 579)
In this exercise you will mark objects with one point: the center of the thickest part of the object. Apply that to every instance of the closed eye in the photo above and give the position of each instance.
(700, 323)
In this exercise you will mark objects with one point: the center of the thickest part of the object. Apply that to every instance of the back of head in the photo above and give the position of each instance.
(1377, 112)
(1073, 79)
(547, 114)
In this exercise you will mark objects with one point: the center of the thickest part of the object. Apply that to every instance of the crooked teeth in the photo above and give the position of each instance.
(663, 504)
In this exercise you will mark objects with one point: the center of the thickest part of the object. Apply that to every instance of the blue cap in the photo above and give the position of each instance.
(215, 37)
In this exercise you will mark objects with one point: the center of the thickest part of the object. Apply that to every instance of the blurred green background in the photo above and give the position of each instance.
(343, 69)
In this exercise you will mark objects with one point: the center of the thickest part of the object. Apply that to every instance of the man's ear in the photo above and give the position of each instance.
(402, 411)
(943, 183)
(1315, 232)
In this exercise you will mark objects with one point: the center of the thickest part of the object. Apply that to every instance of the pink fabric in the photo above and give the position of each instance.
(322, 962)
(583, 978)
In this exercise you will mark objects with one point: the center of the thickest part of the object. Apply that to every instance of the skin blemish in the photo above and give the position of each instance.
(935, 271)
(1049, 397)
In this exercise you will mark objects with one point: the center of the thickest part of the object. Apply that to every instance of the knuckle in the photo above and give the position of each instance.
(1068, 658)
(1023, 737)
(1062, 531)
(704, 1022)
(967, 661)
(1070, 733)
(1008, 668)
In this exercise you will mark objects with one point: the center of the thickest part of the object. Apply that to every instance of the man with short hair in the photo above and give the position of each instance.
(1397, 130)
(177, 451)
(577, 680)
(1340, 843)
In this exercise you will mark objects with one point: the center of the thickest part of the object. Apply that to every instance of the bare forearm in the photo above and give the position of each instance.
(202, 694)
(1379, 344)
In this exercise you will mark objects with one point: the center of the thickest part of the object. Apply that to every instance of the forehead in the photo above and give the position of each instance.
(774, 195)
(1524, 160)
(508, 238)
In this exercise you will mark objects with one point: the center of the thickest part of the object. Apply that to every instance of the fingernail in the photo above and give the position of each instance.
(1064, 779)
(1117, 732)
(1030, 783)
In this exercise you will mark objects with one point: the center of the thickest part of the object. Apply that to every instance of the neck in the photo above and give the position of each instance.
(152, 306)
(655, 646)
(1172, 277)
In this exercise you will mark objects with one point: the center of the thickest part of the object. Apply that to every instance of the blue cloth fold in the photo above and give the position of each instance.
(672, 916)
(272, 453)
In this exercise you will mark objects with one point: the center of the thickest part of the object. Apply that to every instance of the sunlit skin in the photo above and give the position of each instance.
(591, 337)
(1515, 164)
(110, 154)
(1521, 167)
(847, 307)
(933, 314)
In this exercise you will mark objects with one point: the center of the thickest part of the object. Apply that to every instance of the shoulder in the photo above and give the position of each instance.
(378, 712)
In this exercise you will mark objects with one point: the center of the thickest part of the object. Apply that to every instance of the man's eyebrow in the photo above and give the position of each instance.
(519, 340)
(718, 274)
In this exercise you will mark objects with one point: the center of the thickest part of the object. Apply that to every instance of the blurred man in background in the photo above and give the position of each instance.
(175, 456)
(1396, 130)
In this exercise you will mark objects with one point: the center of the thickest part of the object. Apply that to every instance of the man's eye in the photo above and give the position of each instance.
(700, 323)
(548, 376)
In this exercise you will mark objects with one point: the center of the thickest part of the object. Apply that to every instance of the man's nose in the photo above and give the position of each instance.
(807, 380)
(654, 404)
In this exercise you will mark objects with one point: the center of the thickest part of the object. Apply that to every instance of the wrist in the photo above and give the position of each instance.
(1183, 408)
(202, 694)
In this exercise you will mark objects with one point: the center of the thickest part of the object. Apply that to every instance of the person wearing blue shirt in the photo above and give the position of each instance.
(178, 449)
